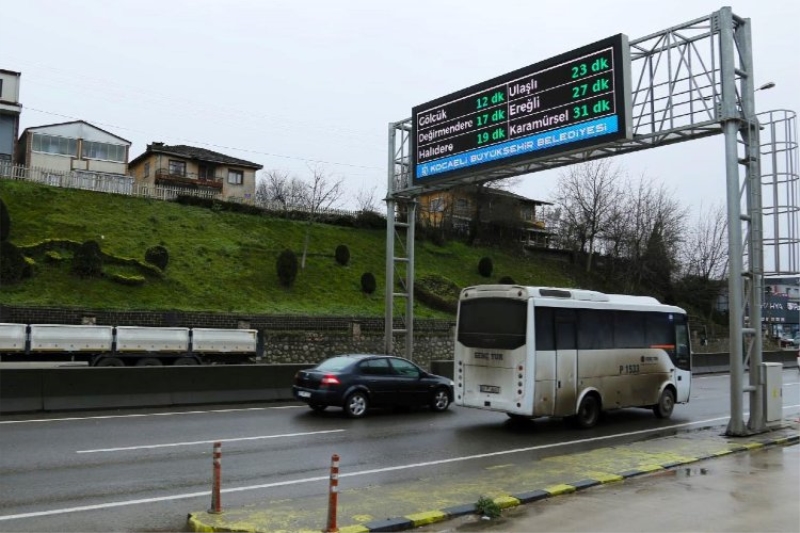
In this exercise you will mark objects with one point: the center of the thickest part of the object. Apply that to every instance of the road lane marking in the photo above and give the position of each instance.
(196, 442)
(205, 494)
(190, 495)
(143, 415)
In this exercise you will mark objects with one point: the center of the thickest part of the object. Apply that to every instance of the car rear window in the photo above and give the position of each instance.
(334, 364)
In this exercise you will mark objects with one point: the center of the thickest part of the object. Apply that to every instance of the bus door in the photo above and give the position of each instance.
(683, 361)
(566, 361)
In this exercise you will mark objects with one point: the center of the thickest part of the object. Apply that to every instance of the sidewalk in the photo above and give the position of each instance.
(426, 502)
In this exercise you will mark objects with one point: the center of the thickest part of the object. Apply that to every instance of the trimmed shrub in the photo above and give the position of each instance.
(287, 266)
(485, 267)
(88, 260)
(506, 280)
(5, 221)
(13, 266)
(342, 254)
(368, 283)
(157, 255)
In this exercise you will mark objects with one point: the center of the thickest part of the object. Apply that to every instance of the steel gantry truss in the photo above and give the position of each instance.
(690, 81)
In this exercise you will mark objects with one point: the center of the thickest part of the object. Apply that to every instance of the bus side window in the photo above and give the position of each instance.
(545, 333)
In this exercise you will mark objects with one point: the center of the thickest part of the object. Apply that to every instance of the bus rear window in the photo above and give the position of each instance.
(492, 323)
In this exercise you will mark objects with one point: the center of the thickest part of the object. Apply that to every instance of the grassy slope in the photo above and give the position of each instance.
(223, 261)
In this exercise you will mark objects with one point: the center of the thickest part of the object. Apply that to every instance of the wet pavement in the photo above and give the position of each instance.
(754, 491)
(691, 481)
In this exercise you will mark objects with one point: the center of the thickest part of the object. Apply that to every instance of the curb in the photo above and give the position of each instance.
(404, 523)
(420, 519)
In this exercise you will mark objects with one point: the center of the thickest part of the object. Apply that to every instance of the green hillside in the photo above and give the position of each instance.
(219, 261)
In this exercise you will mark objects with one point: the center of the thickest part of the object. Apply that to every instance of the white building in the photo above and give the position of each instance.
(10, 109)
(70, 146)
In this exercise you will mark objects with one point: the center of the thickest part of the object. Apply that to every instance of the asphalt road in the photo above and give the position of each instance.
(143, 470)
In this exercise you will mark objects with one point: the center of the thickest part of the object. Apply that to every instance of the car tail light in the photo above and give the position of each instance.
(329, 379)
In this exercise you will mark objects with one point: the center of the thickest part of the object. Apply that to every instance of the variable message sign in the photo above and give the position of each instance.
(573, 101)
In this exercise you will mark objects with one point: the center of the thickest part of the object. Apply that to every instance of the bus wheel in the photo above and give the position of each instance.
(110, 361)
(663, 409)
(588, 412)
(184, 361)
(148, 361)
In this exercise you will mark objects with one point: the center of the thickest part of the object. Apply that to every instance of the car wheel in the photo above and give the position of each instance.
(663, 409)
(588, 412)
(355, 406)
(318, 407)
(440, 401)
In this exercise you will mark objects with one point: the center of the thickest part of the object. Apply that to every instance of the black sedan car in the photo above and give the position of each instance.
(356, 382)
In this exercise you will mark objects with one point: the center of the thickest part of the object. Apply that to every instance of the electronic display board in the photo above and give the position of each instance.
(572, 101)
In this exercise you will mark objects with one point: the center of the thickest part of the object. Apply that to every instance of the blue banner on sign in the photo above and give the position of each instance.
(523, 145)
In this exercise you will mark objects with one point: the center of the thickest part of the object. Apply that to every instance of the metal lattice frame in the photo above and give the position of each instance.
(690, 81)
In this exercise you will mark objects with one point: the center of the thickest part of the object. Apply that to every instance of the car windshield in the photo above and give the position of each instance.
(335, 364)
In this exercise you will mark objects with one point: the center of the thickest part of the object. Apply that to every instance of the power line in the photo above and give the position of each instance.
(245, 150)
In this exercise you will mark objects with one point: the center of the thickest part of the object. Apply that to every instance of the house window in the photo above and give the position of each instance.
(204, 172)
(236, 177)
(177, 168)
(437, 205)
(462, 203)
(147, 169)
(50, 144)
(103, 151)
(527, 213)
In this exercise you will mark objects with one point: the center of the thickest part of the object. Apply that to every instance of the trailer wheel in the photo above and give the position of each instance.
(148, 361)
(110, 361)
(185, 361)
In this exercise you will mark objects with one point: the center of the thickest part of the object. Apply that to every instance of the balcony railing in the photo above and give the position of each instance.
(165, 177)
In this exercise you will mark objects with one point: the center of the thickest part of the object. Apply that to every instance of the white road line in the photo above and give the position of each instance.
(144, 415)
(205, 494)
(194, 443)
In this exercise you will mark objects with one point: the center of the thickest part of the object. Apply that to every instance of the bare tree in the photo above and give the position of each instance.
(278, 189)
(320, 193)
(648, 233)
(586, 195)
(705, 249)
(365, 199)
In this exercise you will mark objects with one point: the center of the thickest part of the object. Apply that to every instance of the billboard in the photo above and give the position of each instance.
(570, 102)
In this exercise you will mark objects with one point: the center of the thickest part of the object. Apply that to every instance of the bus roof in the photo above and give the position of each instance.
(560, 294)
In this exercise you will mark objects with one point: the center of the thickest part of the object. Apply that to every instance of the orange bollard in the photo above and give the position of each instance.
(216, 503)
(333, 494)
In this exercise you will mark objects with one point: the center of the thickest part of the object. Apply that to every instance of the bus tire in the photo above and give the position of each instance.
(665, 405)
(588, 412)
(110, 361)
(148, 361)
(185, 361)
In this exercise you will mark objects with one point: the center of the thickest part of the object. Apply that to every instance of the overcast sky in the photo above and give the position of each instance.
(288, 84)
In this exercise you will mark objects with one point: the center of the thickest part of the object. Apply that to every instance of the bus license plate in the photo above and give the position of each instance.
(491, 389)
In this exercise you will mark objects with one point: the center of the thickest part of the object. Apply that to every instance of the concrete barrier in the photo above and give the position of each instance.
(61, 389)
